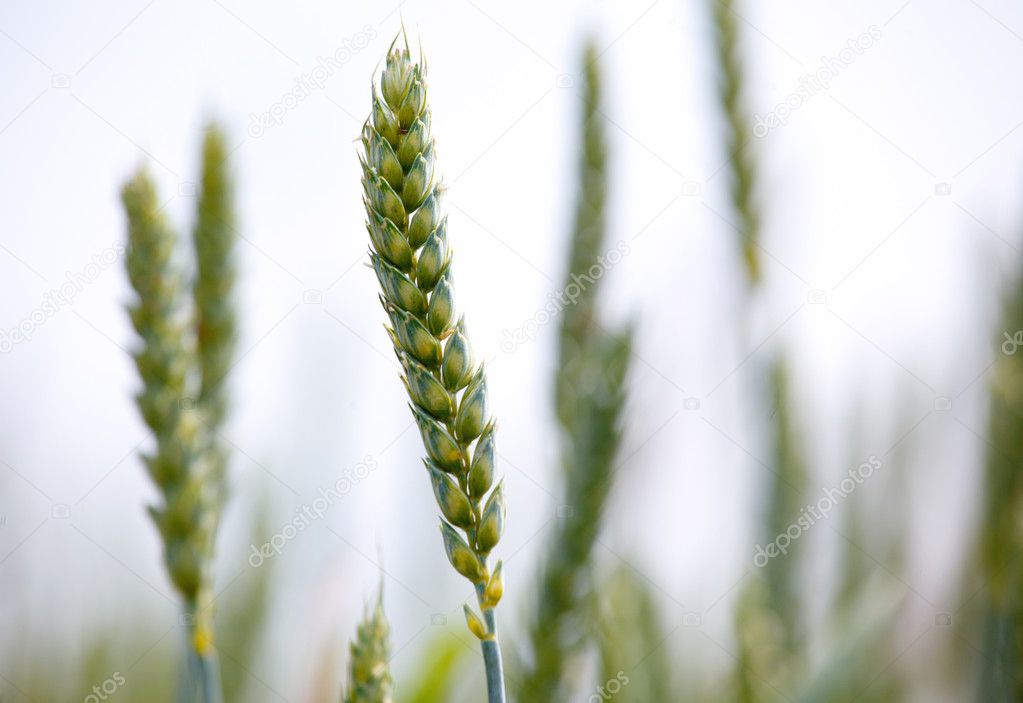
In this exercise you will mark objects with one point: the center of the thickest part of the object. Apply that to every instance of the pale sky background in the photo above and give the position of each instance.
(854, 210)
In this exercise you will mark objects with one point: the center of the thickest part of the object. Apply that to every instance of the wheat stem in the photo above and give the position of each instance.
(411, 257)
(1001, 539)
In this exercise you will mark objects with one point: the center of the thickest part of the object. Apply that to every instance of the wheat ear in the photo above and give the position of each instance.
(214, 237)
(589, 399)
(411, 257)
(741, 160)
(369, 676)
(180, 466)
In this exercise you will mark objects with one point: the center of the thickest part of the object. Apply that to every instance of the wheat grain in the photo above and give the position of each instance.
(411, 257)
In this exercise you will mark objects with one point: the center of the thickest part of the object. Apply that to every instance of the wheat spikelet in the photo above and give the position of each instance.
(411, 256)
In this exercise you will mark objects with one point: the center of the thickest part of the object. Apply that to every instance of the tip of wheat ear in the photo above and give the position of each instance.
(411, 257)
(369, 676)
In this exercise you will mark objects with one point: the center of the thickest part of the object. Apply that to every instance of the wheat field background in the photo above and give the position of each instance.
(891, 233)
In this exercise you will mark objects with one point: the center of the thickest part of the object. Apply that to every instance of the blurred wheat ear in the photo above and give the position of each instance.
(176, 347)
(369, 675)
(411, 256)
(214, 237)
(632, 642)
(589, 396)
(738, 135)
(1001, 535)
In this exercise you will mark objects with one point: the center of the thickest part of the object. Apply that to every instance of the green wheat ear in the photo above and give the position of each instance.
(589, 397)
(182, 360)
(164, 362)
(369, 676)
(411, 256)
(214, 237)
(739, 133)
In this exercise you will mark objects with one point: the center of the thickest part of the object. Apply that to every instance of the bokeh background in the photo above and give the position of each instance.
(891, 222)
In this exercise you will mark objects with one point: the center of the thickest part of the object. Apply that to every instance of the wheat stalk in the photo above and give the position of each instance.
(411, 257)
(785, 500)
(1001, 533)
(369, 676)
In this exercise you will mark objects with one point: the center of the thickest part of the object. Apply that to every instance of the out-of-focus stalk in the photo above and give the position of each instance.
(1001, 536)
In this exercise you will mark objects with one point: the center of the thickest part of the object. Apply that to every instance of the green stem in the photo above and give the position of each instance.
(491, 653)
(200, 682)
